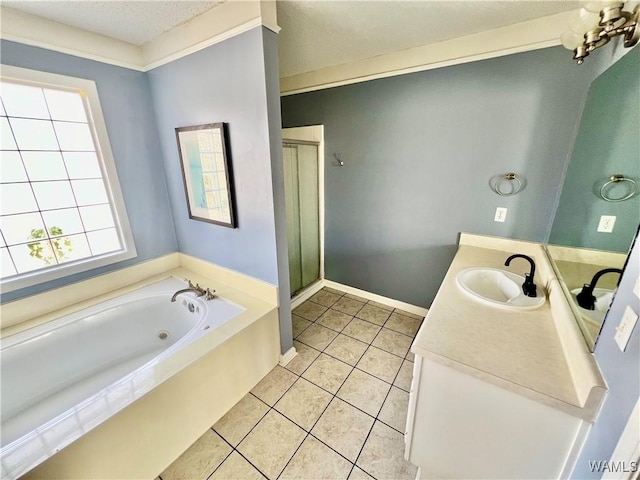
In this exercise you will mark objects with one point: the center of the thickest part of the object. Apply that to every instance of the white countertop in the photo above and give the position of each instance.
(521, 351)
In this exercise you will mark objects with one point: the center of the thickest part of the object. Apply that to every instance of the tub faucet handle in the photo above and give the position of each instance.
(209, 294)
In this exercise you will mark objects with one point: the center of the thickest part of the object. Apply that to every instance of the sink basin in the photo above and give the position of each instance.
(497, 288)
(603, 296)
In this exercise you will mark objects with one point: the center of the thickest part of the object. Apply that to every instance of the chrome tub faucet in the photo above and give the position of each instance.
(197, 289)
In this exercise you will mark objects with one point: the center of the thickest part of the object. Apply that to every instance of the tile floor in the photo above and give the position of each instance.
(336, 411)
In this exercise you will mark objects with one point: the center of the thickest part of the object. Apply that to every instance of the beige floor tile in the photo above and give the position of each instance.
(273, 386)
(409, 357)
(403, 324)
(348, 305)
(347, 349)
(408, 314)
(299, 325)
(361, 330)
(305, 357)
(383, 455)
(333, 290)
(344, 428)
(200, 459)
(327, 372)
(315, 461)
(356, 297)
(310, 310)
(394, 410)
(380, 364)
(334, 320)
(236, 468)
(272, 443)
(364, 391)
(317, 336)
(325, 298)
(405, 375)
(358, 474)
(239, 421)
(392, 342)
(303, 403)
(383, 306)
(373, 314)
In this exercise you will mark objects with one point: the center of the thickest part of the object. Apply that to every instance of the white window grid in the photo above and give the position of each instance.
(87, 191)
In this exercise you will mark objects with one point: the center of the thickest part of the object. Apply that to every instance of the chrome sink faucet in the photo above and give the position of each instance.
(197, 289)
(528, 287)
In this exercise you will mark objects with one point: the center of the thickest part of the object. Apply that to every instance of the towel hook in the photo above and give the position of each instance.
(618, 178)
(338, 158)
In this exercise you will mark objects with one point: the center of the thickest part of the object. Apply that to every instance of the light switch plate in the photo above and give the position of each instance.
(625, 328)
(606, 223)
(501, 214)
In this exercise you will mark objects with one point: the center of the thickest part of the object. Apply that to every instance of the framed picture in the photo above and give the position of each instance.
(207, 175)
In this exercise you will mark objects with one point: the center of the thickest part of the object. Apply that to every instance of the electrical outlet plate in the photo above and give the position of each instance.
(606, 223)
(636, 288)
(501, 214)
(625, 328)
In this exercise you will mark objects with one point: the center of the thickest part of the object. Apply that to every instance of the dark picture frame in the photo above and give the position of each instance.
(207, 174)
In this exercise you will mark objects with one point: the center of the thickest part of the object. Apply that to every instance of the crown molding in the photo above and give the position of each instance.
(521, 37)
(226, 20)
(28, 29)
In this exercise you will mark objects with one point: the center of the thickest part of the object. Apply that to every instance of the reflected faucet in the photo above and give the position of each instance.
(197, 289)
(528, 287)
(585, 298)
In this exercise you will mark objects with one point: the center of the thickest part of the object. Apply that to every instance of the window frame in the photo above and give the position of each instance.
(89, 93)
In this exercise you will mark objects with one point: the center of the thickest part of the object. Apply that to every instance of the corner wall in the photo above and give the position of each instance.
(419, 152)
(126, 105)
(230, 82)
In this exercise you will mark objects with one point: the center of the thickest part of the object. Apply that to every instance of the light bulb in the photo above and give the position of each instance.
(584, 21)
(571, 40)
(594, 7)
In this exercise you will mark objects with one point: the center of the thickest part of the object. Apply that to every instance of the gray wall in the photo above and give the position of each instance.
(608, 143)
(419, 151)
(621, 370)
(222, 83)
(126, 104)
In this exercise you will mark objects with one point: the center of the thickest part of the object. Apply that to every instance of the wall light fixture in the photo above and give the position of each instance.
(596, 24)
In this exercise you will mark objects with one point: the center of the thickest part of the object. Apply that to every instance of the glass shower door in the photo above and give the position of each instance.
(302, 205)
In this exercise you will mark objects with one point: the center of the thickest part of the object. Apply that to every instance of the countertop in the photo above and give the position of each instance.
(521, 351)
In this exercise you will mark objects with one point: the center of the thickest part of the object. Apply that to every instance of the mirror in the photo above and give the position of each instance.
(582, 242)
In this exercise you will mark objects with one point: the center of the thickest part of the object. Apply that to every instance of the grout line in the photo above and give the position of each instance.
(225, 458)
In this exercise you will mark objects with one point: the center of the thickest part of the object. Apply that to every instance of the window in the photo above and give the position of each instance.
(61, 207)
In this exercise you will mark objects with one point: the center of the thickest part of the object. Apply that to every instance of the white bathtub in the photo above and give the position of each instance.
(63, 378)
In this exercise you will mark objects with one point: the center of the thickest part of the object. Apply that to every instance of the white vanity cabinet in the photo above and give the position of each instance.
(500, 393)
(462, 427)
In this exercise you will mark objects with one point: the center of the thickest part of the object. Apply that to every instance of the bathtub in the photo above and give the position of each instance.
(63, 378)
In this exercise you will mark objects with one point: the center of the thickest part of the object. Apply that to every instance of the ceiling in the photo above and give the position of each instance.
(315, 33)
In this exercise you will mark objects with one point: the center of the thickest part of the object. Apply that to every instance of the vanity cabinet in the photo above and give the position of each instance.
(500, 392)
(459, 426)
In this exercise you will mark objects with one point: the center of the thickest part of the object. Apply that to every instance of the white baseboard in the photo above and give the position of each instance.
(287, 356)
(304, 295)
(407, 307)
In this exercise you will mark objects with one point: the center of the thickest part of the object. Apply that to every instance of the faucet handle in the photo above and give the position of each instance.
(209, 294)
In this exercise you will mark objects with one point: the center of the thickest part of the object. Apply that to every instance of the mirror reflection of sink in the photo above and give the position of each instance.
(604, 296)
(497, 288)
